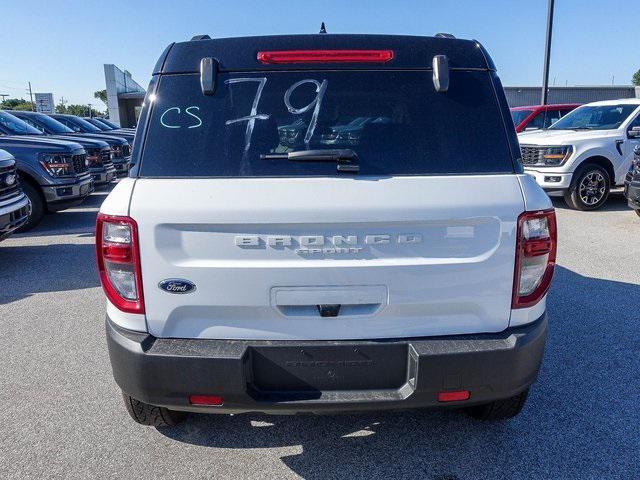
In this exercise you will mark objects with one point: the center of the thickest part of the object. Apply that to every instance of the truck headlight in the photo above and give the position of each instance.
(57, 164)
(555, 156)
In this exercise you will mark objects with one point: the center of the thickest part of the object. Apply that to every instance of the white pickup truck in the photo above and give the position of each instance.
(585, 153)
(273, 252)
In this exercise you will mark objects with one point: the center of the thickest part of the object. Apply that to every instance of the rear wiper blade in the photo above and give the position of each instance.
(346, 158)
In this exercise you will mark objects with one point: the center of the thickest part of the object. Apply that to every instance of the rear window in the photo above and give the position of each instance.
(393, 120)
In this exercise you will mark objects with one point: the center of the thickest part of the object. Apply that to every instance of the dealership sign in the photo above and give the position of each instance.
(44, 103)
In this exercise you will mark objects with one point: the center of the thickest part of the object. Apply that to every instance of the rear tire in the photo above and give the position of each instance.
(638, 212)
(499, 409)
(38, 206)
(150, 415)
(589, 189)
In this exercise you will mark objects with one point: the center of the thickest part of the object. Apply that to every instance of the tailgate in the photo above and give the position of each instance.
(328, 258)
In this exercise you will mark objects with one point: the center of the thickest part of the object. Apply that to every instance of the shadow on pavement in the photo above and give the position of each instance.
(46, 268)
(581, 420)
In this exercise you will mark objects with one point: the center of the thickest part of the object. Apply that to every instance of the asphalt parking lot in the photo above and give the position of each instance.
(61, 414)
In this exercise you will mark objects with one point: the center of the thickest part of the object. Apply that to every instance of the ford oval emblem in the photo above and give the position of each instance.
(177, 285)
(10, 179)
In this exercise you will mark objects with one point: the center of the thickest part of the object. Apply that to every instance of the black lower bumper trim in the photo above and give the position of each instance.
(632, 192)
(330, 376)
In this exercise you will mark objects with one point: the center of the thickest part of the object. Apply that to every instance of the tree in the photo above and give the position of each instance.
(16, 104)
(636, 79)
(80, 111)
(101, 95)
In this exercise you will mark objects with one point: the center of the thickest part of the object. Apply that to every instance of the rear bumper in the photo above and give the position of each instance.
(632, 192)
(325, 376)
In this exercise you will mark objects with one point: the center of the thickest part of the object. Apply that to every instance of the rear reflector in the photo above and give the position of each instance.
(457, 396)
(208, 400)
(325, 56)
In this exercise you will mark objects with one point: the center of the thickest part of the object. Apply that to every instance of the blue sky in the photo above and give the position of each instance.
(61, 46)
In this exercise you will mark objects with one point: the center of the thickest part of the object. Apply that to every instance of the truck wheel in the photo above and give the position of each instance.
(638, 212)
(589, 189)
(500, 409)
(37, 206)
(146, 414)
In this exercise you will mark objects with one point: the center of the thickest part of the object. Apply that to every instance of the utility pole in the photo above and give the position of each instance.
(89, 110)
(33, 108)
(62, 102)
(547, 54)
(3, 95)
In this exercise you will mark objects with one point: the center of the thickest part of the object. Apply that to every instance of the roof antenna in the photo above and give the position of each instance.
(322, 29)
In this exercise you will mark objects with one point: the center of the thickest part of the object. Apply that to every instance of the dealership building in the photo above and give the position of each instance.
(124, 96)
(525, 96)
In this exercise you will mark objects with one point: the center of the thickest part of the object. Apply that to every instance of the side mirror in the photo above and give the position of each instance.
(634, 132)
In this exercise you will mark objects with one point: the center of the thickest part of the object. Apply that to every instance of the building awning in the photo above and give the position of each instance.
(131, 95)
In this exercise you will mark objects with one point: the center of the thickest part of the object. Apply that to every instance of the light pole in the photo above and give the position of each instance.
(547, 54)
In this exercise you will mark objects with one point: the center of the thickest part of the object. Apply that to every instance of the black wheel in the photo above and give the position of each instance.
(638, 212)
(589, 189)
(500, 409)
(146, 414)
(38, 206)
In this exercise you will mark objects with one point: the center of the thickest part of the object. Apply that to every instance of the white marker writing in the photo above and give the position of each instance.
(317, 102)
(254, 115)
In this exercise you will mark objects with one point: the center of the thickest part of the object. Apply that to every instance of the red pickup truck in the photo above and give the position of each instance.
(539, 116)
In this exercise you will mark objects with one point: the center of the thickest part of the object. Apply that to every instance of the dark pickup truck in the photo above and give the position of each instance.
(80, 125)
(120, 148)
(14, 204)
(98, 151)
(108, 127)
(53, 173)
(632, 182)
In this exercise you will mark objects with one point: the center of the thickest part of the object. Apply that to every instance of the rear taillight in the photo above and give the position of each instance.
(119, 262)
(325, 56)
(535, 257)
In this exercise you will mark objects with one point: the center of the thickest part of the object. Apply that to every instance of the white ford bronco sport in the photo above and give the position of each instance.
(585, 153)
(323, 223)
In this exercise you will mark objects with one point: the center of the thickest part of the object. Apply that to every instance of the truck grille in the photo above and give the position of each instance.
(105, 156)
(12, 190)
(80, 163)
(531, 154)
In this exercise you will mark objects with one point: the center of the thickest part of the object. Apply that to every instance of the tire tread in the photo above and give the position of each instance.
(500, 409)
(151, 415)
